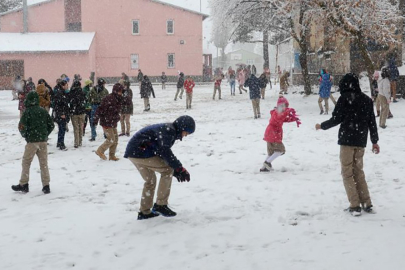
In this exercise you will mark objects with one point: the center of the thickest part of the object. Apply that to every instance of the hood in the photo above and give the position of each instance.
(282, 100)
(32, 100)
(41, 89)
(349, 84)
(117, 88)
(184, 123)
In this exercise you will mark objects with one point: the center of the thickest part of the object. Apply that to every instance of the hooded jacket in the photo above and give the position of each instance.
(61, 105)
(35, 124)
(157, 140)
(354, 113)
(44, 97)
(77, 100)
(254, 87)
(189, 84)
(146, 88)
(274, 131)
(97, 94)
(325, 85)
(180, 82)
(109, 111)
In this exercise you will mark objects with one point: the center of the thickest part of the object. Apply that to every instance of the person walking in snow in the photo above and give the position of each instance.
(44, 97)
(61, 112)
(35, 126)
(263, 81)
(77, 104)
(127, 109)
(96, 96)
(375, 91)
(180, 86)
(124, 77)
(384, 96)
(217, 86)
(354, 112)
(274, 131)
(284, 83)
(17, 87)
(393, 77)
(163, 80)
(22, 94)
(232, 80)
(88, 85)
(241, 80)
(324, 91)
(254, 92)
(108, 113)
(146, 92)
(150, 151)
(140, 78)
(189, 86)
(30, 85)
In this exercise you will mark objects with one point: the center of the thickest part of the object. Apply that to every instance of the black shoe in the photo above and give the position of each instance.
(46, 189)
(62, 147)
(164, 210)
(92, 139)
(142, 216)
(369, 209)
(24, 189)
(58, 145)
(76, 146)
(321, 113)
(355, 211)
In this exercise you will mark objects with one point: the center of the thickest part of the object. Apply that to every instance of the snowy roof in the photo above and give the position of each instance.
(29, 3)
(45, 42)
(205, 16)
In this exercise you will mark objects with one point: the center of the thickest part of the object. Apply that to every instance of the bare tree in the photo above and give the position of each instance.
(7, 5)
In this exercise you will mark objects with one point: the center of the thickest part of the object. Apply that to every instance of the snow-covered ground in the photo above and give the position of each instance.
(229, 215)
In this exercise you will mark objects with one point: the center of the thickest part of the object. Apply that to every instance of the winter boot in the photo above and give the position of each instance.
(113, 158)
(142, 216)
(101, 155)
(368, 209)
(266, 167)
(62, 147)
(92, 139)
(121, 134)
(46, 189)
(24, 189)
(321, 112)
(355, 211)
(127, 134)
(163, 210)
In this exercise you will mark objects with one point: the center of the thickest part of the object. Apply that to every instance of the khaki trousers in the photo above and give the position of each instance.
(163, 85)
(378, 104)
(385, 109)
(354, 180)
(179, 91)
(217, 88)
(333, 99)
(147, 168)
(146, 103)
(256, 107)
(41, 150)
(125, 122)
(326, 104)
(189, 99)
(78, 123)
(111, 142)
(394, 89)
(263, 92)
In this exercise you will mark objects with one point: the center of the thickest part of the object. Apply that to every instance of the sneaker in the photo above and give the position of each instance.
(46, 189)
(383, 127)
(58, 145)
(114, 158)
(321, 113)
(76, 146)
(163, 210)
(92, 140)
(378, 114)
(267, 167)
(142, 216)
(121, 134)
(62, 147)
(127, 134)
(259, 116)
(390, 116)
(326, 113)
(395, 101)
(101, 155)
(24, 189)
(255, 117)
(369, 209)
(355, 211)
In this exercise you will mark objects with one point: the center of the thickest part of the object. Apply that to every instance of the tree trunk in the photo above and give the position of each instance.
(266, 50)
(305, 72)
(368, 62)
(223, 58)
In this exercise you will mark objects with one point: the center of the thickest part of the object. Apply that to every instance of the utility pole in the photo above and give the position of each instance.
(200, 6)
(25, 17)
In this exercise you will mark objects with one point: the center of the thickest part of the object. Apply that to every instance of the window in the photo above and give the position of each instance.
(250, 62)
(134, 61)
(170, 27)
(170, 60)
(135, 27)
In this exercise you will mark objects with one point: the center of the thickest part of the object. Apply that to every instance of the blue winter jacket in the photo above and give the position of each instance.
(254, 87)
(325, 87)
(157, 140)
(394, 72)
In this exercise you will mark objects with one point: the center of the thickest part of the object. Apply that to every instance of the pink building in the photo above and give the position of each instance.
(101, 36)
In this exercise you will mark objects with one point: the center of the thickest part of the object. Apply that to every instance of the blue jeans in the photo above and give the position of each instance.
(62, 131)
(93, 127)
(232, 83)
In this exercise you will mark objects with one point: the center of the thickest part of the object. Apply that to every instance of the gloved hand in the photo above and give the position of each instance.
(182, 175)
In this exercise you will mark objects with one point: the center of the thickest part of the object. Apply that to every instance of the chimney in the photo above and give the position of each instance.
(25, 16)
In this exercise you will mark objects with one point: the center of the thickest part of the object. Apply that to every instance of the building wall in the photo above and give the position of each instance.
(112, 20)
(47, 17)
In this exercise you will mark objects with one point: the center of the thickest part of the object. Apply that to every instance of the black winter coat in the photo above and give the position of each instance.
(354, 112)
(77, 101)
(61, 106)
(180, 82)
(146, 89)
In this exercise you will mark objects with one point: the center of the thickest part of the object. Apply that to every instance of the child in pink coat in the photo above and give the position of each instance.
(274, 132)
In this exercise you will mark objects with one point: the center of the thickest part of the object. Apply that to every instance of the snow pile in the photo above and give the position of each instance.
(229, 215)
(45, 42)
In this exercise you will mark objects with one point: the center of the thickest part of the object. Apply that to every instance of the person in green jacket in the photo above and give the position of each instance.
(35, 126)
(88, 84)
(96, 95)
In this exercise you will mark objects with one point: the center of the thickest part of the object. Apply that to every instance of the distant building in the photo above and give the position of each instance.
(237, 57)
(105, 37)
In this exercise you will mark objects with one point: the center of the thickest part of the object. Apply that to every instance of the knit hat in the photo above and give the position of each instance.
(349, 84)
(282, 100)
(87, 82)
(185, 123)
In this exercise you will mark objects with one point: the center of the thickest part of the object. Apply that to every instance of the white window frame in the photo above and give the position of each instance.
(167, 26)
(133, 67)
(139, 28)
(174, 60)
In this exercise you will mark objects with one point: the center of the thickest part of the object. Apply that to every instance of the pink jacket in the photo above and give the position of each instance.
(274, 131)
(241, 77)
